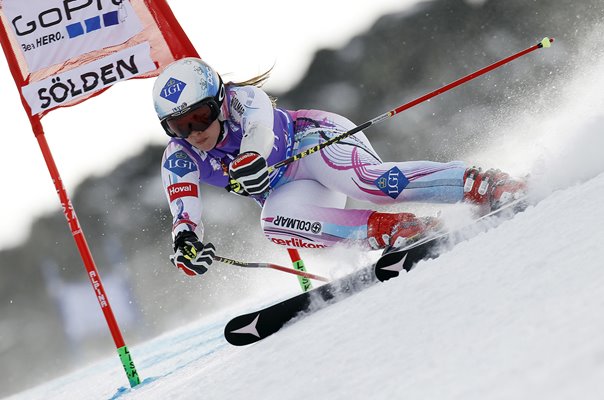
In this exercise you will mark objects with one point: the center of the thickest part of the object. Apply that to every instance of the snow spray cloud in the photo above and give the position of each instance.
(558, 136)
(573, 142)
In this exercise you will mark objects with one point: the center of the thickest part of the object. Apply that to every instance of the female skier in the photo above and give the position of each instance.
(230, 133)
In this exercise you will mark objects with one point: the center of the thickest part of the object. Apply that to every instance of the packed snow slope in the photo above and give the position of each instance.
(513, 313)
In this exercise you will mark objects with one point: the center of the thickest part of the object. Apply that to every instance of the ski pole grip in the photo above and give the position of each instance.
(235, 186)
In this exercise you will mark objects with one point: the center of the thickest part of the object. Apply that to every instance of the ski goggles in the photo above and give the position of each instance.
(197, 117)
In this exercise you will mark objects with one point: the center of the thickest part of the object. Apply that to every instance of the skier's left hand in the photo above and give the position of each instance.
(190, 255)
(250, 170)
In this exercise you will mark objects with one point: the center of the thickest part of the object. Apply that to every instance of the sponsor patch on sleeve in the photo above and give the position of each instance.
(180, 164)
(184, 189)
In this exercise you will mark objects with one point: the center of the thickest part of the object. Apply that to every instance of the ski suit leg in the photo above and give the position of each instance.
(351, 168)
(305, 214)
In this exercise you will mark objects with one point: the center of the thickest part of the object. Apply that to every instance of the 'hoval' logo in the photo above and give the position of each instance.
(392, 182)
(172, 90)
(183, 189)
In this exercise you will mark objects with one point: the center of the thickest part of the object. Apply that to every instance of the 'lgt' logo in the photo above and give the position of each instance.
(392, 182)
(172, 90)
(180, 163)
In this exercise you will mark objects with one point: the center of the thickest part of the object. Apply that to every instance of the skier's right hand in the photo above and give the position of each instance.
(250, 171)
(190, 255)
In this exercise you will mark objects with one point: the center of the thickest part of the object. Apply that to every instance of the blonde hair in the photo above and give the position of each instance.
(257, 81)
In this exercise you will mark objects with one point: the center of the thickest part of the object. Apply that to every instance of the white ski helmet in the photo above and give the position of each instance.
(184, 84)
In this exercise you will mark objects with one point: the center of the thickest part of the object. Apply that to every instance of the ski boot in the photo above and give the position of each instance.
(385, 231)
(492, 189)
(400, 235)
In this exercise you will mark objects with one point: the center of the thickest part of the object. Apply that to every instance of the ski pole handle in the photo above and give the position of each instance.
(304, 274)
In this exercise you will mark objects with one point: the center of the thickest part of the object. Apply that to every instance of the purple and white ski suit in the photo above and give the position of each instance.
(305, 207)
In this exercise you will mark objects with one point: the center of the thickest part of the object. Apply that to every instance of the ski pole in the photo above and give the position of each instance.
(546, 42)
(269, 265)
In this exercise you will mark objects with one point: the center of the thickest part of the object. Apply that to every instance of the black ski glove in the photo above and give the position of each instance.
(190, 255)
(250, 170)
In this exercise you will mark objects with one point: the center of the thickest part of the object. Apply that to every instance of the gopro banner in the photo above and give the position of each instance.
(89, 78)
(51, 31)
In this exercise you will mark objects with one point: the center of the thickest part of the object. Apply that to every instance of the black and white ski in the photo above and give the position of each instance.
(393, 261)
(249, 328)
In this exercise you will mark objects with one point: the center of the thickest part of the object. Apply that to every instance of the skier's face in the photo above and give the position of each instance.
(205, 140)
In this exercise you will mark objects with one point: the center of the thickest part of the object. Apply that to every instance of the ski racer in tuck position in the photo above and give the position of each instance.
(222, 132)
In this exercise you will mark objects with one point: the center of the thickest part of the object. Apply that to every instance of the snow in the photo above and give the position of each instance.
(515, 312)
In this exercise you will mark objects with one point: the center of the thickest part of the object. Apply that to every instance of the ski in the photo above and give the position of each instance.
(252, 327)
(395, 260)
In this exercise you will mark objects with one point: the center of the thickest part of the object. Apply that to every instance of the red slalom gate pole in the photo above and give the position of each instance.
(84, 250)
(298, 264)
(546, 42)
(70, 215)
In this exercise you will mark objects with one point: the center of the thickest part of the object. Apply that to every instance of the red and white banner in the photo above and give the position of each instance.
(64, 52)
(92, 77)
(52, 32)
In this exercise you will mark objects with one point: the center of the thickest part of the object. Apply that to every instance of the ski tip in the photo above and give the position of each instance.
(546, 42)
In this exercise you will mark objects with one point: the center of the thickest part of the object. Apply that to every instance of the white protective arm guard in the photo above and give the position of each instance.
(252, 108)
(259, 138)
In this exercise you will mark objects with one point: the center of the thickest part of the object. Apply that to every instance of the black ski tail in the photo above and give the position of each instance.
(394, 261)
